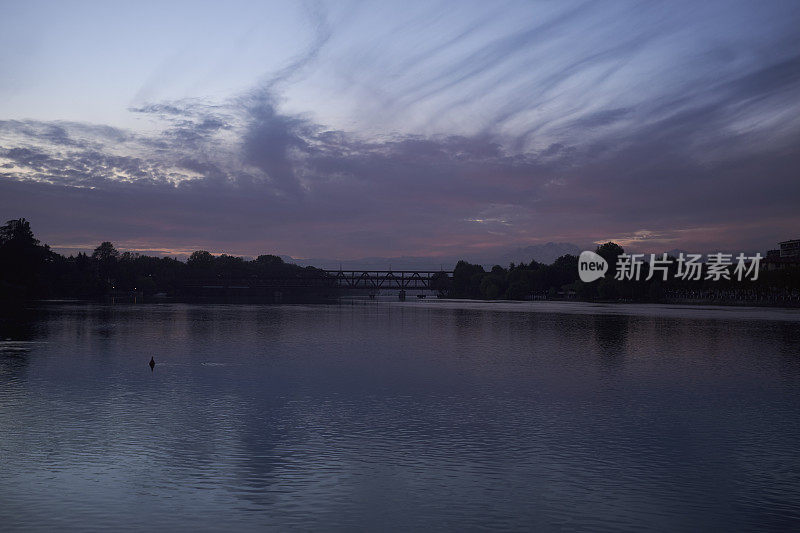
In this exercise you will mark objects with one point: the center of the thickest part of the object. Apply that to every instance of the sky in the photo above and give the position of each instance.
(363, 129)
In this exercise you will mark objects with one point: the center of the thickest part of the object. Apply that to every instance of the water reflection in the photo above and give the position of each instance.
(381, 416)
(610, 333)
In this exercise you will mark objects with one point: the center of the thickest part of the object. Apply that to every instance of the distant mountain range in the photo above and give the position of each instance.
(377, 263)
(543, 253)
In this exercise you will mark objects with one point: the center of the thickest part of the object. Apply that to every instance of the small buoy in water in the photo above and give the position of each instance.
(152, 364)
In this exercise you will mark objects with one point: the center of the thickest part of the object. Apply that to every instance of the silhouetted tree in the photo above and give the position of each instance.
(22, 260)
(229, 266)
(105, 253)
(563, 271)
(105, 257)
(493, 285)
(18, 234)
(200, 259)
(269, 260)
(467, 280)
(610, 251)
(441, 283)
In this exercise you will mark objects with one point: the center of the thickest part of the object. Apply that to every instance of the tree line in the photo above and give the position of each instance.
(560, 279)
(31, 270)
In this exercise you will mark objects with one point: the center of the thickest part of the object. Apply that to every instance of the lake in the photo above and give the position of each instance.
(423, 415)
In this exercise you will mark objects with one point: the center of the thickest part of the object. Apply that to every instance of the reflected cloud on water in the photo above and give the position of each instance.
(416, 416)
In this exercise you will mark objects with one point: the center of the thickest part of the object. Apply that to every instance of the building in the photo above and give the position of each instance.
(790, 248)
(788, 256)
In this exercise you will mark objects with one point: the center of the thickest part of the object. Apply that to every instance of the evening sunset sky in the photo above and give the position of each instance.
(354, 129)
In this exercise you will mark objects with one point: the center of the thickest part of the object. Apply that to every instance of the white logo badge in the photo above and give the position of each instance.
(591, 266)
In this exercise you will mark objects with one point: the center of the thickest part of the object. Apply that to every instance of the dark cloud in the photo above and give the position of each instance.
(291, 186)
(701, 165)
(271, 142)
(159, 109)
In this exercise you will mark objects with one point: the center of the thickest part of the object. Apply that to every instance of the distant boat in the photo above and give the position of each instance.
(152, 363)
(420, 296)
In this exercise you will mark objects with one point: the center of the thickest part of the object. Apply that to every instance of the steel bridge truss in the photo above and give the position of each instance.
(386, 279)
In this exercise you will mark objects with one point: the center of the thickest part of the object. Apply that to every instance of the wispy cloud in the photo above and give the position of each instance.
(706, 161)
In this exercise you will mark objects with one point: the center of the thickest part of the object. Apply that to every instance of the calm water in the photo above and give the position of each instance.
(397, 416)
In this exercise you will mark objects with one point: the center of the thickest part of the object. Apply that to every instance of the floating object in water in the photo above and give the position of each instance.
(152, 364)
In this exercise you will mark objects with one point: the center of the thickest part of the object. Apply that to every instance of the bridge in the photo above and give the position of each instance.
(313, 285)
(386, 279)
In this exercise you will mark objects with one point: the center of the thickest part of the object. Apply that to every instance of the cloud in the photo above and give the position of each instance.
(708, 162)
(282, 183)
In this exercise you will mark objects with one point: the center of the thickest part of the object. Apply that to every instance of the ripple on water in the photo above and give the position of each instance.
(448, 416)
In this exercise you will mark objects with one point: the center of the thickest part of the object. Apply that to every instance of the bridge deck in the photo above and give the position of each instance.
(386, 279)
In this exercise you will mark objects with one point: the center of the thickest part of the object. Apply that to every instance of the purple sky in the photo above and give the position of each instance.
(348, 130)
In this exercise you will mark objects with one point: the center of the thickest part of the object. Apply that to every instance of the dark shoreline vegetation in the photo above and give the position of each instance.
(32, 271)
(559, 280)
